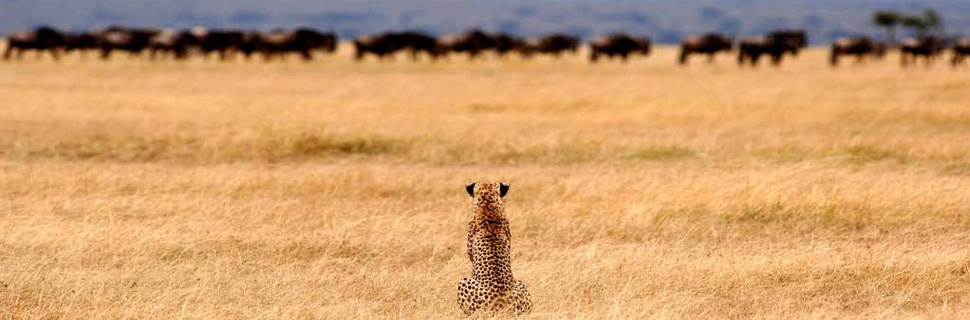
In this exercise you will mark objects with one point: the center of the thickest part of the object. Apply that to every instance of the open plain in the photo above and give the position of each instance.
(335, 189)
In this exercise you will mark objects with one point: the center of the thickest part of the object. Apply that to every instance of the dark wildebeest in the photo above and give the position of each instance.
(381, 45)
(860, 47)
(269, 44)
(248, 43)
(326, 41)
(503, 43)
(417, 42)
(928, 47)
(619, 44)
(775, 45)
(315, 40)
(224, 42)
(474, 42)
(388, 43)
(709, 44)
(130, 40)
(40, 39)
(80, 41)
(278, 43)
(798, 37)
(555, 44)
(176, 43)
(961, 50)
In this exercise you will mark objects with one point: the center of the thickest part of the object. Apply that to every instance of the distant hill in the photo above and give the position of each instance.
(664, 20)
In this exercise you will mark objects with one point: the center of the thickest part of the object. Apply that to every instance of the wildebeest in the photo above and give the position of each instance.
(473, 42)
(555, 44)
(80, 41)
(325, 41)
(269, 44)
(961, 50)
(928, 47)
(860, 47)
(223, 42)
(40, 39)
(248, 43)
(277, 43)
(315, 40)
(505, 43)
(176, 43)
(798, 37)
(131, 40)
(417, 42)
(381, 45)
(709, 44)
(386, 44)
(619, 44)
(774, 45)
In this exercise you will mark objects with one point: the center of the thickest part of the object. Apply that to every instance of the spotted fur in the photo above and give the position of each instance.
(491, 288)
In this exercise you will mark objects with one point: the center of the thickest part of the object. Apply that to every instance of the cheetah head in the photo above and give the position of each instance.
(487, 189)
(487, 197)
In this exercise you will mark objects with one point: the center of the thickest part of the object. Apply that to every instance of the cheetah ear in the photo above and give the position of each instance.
(503, 188)
(470, 188)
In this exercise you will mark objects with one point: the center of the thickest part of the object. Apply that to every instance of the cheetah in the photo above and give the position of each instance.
(491, 288)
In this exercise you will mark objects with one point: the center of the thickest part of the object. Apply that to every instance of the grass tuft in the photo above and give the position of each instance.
(661, 153)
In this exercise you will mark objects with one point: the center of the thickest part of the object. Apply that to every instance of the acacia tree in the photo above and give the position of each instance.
(931, 20)
(915, 23)
(921, 24)
(887, 20)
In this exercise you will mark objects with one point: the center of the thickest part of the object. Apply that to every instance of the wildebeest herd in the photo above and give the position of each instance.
(474, 43)
(305, 42)
(172, 43)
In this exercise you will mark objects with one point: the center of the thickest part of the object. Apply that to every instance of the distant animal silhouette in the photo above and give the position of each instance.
(40, 39)
(927, 47)
(774, 45)
(709, 44)
(618, 45)
(860, 47)
(961, 50)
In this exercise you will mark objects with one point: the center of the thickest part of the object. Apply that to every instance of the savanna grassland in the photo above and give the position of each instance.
(332, 189)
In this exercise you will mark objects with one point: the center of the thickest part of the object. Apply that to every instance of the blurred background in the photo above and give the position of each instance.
(665, 21)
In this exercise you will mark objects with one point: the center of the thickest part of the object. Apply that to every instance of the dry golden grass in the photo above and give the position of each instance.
(333, 189)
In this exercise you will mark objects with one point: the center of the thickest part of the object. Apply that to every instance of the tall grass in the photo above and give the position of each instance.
(333, 189)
